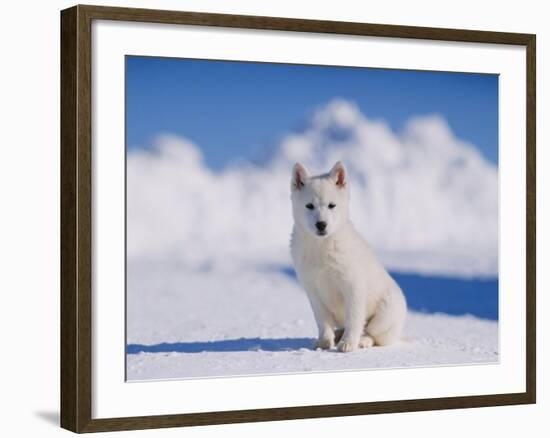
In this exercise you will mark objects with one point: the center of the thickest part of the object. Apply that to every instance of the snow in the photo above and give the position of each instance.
(184, 324)
(426, 200)
(208, 285)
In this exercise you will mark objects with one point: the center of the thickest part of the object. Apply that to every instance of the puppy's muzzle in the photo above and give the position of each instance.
(321, 227)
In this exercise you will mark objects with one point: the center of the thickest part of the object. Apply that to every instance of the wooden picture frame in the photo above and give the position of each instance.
(76, 217)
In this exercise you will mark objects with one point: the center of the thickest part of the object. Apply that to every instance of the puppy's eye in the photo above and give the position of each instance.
(331, 205)
(310, 206)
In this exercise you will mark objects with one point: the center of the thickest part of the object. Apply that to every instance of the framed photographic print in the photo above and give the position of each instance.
(269, 218)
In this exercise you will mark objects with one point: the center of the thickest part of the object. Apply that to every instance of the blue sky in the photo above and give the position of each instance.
(239, 110)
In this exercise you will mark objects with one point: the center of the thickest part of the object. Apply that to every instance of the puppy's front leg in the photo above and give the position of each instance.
(356, 316)
(324, 320)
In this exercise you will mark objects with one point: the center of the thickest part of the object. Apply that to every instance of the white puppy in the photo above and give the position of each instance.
(355, 301)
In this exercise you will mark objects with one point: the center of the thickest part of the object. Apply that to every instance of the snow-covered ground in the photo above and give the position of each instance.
(225, 322)
(205, 296)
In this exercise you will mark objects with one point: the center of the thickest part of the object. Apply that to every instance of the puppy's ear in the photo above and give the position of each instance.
(299, 177)
(339, 174)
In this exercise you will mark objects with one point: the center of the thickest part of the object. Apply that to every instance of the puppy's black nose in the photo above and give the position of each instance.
(321, 226)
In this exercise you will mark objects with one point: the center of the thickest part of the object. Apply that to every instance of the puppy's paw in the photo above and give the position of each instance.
(324, 343)
(345, 346)
(366, 342)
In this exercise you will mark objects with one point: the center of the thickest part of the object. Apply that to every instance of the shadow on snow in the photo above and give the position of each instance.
(242, 344)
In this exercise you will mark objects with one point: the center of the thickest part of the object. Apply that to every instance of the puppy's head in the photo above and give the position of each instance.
(320, 203)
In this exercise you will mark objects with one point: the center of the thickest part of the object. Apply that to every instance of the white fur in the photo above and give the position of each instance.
(355, 301)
